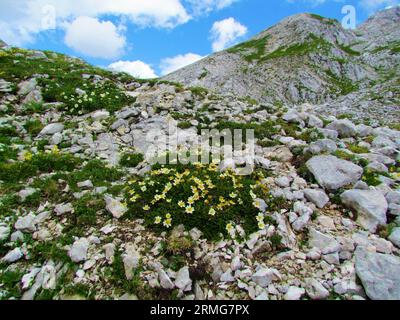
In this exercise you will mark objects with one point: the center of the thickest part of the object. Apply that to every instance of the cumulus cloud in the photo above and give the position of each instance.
(372, 5)
(94, 38)
(205, 6)
(225, 32)
(172, 64)
(137, 69)
(20, 23)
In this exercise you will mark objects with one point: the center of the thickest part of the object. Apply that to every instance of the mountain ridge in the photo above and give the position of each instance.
(303, 59)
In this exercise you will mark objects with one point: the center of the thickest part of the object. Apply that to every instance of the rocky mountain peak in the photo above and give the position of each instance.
(315, 57)
(2, 44)
(382, 28)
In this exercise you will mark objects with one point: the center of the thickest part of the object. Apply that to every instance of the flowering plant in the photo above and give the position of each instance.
(199, 196)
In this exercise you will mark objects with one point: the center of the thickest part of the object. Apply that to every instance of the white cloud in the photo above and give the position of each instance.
(20, 23)
(94, 38)
(205, 6)
(172, 64)
(372, 5)
(225, 32)
(368, 5)
(137, 69)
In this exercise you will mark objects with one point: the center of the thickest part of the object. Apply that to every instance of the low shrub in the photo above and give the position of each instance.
(198, 196)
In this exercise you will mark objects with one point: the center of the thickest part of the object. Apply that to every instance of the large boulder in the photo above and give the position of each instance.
(345, 128)
(79, 249)
(333, 173)
(318, 197)
(324, 242)
(395, 237)
(370, 205)
(323, 145)
(379, 274)
(51, 129)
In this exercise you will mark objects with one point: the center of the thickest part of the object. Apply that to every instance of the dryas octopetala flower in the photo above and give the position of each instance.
(168, 223)
(55, 150)
(261, 225)
(260, 217)
(229, 227)
(212, 212)
(189, 210)
(181, 204)
(28, 156)
(157, 220)
(146, 208)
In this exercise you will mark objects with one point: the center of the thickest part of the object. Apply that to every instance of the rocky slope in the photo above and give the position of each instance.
(83, 214)
(318, 62)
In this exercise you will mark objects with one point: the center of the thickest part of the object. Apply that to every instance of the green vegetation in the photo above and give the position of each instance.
(341, 84)
(357, 149)
(199, 91)
(9, 281)
(197, 196)
(253, 50)
(33, 127)
(184, 125)
(131, 160)
(96, 171)
(38, 163)
(349, 50)
(312, 44)
(63, 81)
(323, 19)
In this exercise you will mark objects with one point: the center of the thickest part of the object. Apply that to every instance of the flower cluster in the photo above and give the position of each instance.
(199, 196)
(86, 96)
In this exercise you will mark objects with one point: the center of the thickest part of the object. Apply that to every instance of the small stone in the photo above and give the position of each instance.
(316, 290)
(100, 115)
(89, 264)
(23, 194)
(294, 293)
(326, 243)
(115, 207)
(78, 251)
(263, 277)
(85, 184)
(395, 237)
(109, 251)
(370, 205)
(17, 236)
(131, 263)
(13, 256)
(345, 128)
(183, 280)
(165, 280)
(62, 209)
(4, 232)
(52, 129)
(26, 224)
(318, 197)
(227, 276)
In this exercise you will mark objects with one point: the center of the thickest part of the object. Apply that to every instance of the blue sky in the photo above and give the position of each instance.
(149, 38)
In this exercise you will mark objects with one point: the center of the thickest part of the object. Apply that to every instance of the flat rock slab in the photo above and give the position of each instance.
(371, 207)
(379, 274)
(333, 173)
